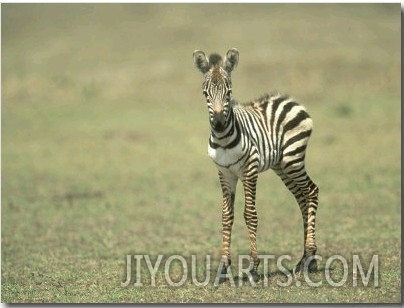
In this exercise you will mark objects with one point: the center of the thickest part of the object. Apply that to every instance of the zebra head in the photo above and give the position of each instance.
(217, 84)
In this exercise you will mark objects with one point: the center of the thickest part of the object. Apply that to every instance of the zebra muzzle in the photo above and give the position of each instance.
(218, 121)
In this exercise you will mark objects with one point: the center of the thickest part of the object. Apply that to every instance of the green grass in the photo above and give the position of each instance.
(104, 142)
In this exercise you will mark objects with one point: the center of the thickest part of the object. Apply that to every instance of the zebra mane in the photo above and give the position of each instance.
(215, 59)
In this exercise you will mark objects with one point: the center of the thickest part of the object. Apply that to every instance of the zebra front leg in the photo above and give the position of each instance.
(228, 183)
(251, 219)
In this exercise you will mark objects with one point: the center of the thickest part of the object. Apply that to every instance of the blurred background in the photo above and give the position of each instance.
(104, 135)
(125, 52)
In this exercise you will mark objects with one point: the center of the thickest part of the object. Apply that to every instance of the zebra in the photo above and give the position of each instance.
(270, 132)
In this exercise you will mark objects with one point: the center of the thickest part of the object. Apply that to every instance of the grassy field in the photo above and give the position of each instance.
(104, 147)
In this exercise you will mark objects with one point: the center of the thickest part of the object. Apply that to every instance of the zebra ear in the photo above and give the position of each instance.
(200, 61)
(231, 60)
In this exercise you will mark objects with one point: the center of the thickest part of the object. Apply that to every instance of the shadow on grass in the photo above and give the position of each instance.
(269, 277)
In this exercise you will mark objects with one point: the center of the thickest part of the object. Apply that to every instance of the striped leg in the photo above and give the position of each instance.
(306, 193)
(251, 219)
(228, 183)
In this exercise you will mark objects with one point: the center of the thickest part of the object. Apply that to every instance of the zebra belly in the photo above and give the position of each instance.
(268, 160)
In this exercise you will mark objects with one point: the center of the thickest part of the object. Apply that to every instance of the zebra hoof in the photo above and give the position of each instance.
(302, 265)
(254, 277)
(221, 276)
(224, 270)
(224, 266)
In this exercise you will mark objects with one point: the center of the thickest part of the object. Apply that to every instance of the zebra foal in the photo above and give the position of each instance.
(246, 139)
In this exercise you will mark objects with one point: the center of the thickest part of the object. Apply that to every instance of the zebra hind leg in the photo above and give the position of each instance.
(305, 191)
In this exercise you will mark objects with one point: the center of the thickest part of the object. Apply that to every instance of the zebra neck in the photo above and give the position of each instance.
(229, 137)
